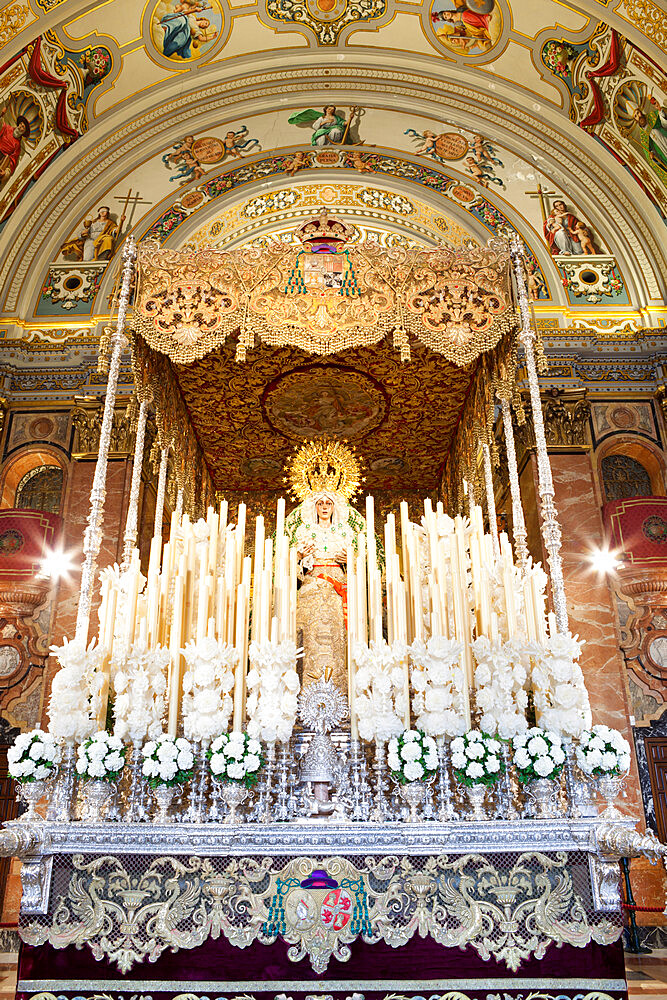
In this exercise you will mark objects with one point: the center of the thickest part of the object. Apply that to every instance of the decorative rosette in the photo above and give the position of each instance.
(379, 683)
(602, 752)
(273, 687)
(538, 753)
(236, 757)
(101, 757)
(476, 759)
(168, 760)
(140, 686)
(437, 684)
(208, 684)
(412, 756)
(33, 757)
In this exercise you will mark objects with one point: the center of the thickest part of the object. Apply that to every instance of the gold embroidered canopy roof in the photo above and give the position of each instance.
(323, 297)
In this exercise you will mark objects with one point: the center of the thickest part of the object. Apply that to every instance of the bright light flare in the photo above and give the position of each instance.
(604, 561)
(56, 564)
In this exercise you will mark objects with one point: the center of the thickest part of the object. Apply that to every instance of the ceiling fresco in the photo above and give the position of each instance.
(419, 122)
(248, 417)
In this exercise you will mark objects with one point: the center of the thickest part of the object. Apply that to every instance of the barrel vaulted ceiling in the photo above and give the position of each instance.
(198, 122)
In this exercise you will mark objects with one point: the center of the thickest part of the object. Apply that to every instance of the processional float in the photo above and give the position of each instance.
(332, 686)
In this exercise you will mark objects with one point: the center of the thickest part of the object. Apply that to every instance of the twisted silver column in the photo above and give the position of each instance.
(92, 538)
(550, 525)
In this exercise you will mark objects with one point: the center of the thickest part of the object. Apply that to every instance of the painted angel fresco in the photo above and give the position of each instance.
(186, 29)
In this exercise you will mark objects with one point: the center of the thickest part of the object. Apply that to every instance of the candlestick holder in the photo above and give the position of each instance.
(445, 798)
(197, 808)
(357, 811)
(506, 803)
(580, 804)
(282, 810)
(135, 811)
(380, 812)
(62, 800)
(265, 814)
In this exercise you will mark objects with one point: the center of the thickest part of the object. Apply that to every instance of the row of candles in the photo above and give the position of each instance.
(442, 580)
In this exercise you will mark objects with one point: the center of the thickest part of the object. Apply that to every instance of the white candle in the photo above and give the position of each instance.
(258, 568)
(239, 669)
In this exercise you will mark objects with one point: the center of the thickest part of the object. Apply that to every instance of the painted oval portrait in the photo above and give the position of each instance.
(185, 30)
(467, 27)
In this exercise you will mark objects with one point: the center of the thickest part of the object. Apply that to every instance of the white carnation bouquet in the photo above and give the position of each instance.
(273, 687)
(476, 759)
(558, 686)
(208, 684)
(437, 686)
(168, 760)
(236, 757)
(380, 699)
(538, 753)
(140, 685)
(76, 690)
(603, 752)
(102, 756)
(412, 756)
(33, 757)
(500, 682)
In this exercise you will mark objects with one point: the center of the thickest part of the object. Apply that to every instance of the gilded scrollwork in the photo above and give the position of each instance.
(510, 906)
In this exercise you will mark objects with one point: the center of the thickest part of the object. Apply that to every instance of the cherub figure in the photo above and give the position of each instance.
(298, 161)
(585, 238)
(360, 164)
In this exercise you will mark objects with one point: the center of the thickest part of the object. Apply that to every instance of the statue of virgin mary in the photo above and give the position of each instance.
(324, 475)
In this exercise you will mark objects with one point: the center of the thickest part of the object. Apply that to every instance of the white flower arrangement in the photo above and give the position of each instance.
(33, 757)
(76, 690)
(412, 756)
(603, 752)
(208, 684)
(476, 759)
(273, 687)
(437, 686)
(102, 756)
(168, 760)
(380, 699)
(559, 692)
(140, 685)
(500, 682)
(236, 757)
(538, 753)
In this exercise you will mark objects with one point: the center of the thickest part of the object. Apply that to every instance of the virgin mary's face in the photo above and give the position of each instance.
(324, 508)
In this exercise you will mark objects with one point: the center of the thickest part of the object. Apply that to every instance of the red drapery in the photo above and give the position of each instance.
(609, 68)
(40, 75)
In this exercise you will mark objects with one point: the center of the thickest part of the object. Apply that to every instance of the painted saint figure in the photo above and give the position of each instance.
(329, 128)
(566, 234)
(11, 139)
(97, 239)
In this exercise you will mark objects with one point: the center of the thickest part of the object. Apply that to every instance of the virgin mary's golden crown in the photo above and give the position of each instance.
(324, 465)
